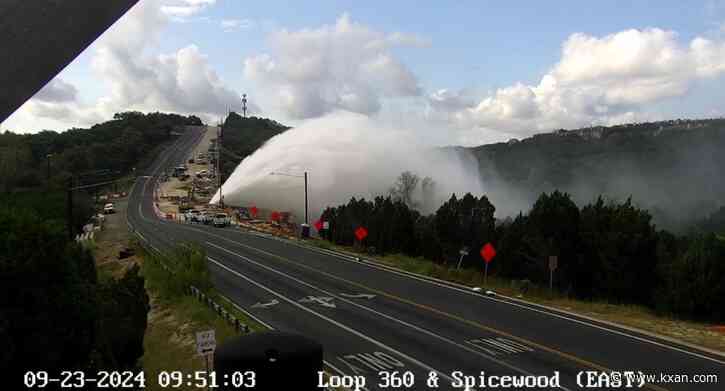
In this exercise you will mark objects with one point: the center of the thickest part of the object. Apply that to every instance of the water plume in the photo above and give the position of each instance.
(345, 155)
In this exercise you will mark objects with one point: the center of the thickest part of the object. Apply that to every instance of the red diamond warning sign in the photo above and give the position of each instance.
(488, 252)
(361, 233)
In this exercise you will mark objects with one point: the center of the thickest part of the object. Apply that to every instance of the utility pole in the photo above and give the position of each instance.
(218, 163)
(306, 219)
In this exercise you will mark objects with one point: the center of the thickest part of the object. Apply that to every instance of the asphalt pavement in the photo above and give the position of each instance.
(372, 319)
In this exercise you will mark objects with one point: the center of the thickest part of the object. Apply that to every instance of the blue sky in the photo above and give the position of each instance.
(475, 68)
(486, 43)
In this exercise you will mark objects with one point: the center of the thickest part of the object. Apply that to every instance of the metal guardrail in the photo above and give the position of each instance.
(84, 237)
(220, 310)
(197, 293)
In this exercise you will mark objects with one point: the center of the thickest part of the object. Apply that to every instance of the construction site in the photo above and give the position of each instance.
(185, 192)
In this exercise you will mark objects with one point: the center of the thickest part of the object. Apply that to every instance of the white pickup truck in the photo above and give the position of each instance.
(221, 220)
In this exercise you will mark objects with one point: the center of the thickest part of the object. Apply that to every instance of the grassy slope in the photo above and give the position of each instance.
(173, 321)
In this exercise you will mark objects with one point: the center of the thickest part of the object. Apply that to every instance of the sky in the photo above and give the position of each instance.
(456, 73)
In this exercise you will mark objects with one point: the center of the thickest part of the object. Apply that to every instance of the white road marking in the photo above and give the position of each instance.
(321, 300)
(509, 301)
(396, 320)
(354, 304)
(266, 305)
(249, 314)
(332, 321)
(269, 326)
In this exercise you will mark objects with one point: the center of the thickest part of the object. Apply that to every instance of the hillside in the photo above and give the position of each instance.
(673, 168)
(243, 136)
(117, 145)
(34, 168)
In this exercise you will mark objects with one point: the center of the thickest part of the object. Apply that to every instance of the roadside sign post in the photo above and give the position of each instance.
(463, 251)
(553, 264)
(360, 234)
(487, 253)
(205, 345)
(485, 274)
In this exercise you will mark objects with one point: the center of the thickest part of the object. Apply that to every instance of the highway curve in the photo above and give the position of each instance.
(371, 318)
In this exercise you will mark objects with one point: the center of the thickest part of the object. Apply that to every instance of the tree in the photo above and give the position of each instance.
(466, 222)
(552, 228)
(123, 306)
(619, 252)
(446, 223)
(429, 245)
(404, 188)
(694, 283)
(514, 253)
(47, 296)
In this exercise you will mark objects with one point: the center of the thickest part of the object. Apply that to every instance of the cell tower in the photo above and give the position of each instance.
(244, 105)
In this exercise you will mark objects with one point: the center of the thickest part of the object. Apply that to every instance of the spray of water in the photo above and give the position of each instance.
(345, 155)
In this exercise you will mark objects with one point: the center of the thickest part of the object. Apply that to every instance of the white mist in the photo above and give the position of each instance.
(346, 155)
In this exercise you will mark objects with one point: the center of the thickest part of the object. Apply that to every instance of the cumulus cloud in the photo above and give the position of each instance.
(598, 80)
(57, 90)
(182, 81)
(72, 113)
(180, 10)
(58, 100)
(345, 66)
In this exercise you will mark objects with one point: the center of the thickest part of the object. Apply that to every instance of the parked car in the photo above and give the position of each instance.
(109, 209)
(205, 218)
(193, 215)
(221, 220)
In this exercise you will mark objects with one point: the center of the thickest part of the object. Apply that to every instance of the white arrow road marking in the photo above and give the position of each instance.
(321, 300)
(358, 296)
(266, 305)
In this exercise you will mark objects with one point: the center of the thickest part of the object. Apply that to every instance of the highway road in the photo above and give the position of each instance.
(372, 318)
